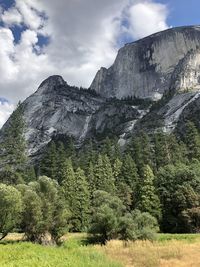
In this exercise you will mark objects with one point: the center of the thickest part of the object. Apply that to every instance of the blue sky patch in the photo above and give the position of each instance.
(6, 4)
(3, 100)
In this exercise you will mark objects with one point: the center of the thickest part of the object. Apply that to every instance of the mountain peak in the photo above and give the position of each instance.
(50, 83)
(151, 66)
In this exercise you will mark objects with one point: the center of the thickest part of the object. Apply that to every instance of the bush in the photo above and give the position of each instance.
(138, 225)
(44, 216)
(109, 220)
(105, 218)
(191, 220)
(10, 208)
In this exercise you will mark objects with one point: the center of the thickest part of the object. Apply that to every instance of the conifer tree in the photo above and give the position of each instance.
(141, 151)
(91, 178)
(129, 174)
(162, 151)
(148, 199)
(70, 149)
(68, 182)
(60, 161)
(81, 202)
(107, 148)
(87, 154)
(192, 141)
(178, 151)
(29, 174)
(104, 174)
(116, 150)
(48, 165)
(13, 147)
(117, 168)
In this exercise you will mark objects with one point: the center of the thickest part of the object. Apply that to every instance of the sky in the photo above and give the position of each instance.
(74, 38)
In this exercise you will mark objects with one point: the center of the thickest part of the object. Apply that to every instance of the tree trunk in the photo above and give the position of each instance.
(3, 236)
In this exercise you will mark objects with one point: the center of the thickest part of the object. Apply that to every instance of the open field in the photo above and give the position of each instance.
(24, 254)
(168, 251)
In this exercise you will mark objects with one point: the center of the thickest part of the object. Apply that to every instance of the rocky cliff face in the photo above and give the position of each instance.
(149, 67)
(165, 63)
(57, 109)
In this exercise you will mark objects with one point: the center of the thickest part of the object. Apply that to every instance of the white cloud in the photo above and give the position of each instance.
(11, 17)
(83, 37)
(31, 13)
(5, 111)
(146, 17)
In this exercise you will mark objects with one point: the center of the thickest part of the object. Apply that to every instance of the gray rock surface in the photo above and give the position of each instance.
(148, 67)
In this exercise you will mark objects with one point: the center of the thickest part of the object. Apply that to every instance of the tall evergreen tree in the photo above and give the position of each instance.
(141, 151)
(60, 162)
(107, 148)
(70, 149)
(48, 164)
(162, 151)
(87, 154)
(129, 175)
(117, 168)
(68, 182)
(91, 178)
(192, 141)
(178, 151)
(13, 147)
(104, 174)
(81, 202)
(148, 199)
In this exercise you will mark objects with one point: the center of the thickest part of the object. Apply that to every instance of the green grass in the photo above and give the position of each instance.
(74, 252)
(70, 254)
(180, 237)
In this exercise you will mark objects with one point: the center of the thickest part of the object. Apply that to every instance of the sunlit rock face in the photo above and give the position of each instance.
(148, 67)
(57, 109)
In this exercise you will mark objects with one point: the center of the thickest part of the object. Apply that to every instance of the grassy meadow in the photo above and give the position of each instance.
(167, 251)
(70, 254)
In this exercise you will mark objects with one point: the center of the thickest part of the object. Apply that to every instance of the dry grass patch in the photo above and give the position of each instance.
(157, 254)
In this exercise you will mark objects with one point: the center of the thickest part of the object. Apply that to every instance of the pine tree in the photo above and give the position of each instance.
(29, 174)
(117, 168)
(70, 150)
(116, 150)
(60, 161)
(13, 147)
(91, 178)
(48, 164)
(129, 174)
(104, 174)
(192, 141)
(148, 199)
(107, 148)
(81, 202)
(68, 182)
(178, 151)
(141, 151)
(87, 154)
(162, 151)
